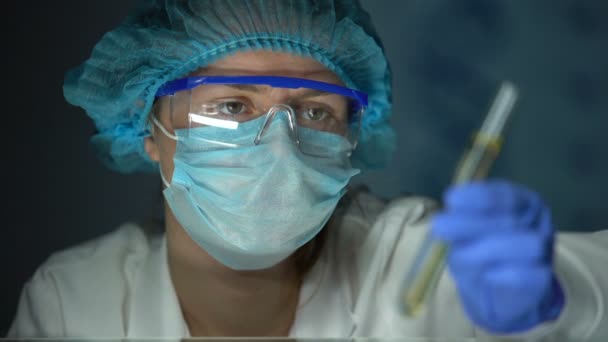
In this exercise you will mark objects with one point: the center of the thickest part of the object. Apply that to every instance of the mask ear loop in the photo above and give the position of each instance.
(291, 117)
(163, 129)
(170, 136)
(162, 177)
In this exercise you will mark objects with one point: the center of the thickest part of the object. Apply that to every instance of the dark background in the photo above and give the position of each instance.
(448, 58)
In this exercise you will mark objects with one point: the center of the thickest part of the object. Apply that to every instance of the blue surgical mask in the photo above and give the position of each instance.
(251, 207)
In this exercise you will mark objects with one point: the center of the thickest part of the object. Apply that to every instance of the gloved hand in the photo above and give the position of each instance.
(500, 239)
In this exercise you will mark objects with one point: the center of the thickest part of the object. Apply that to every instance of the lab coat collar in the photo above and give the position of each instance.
(324, 308)
(155, 310)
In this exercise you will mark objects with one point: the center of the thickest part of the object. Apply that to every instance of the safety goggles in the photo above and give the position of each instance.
(226, 102)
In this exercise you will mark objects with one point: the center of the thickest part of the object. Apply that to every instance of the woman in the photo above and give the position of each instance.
(257, 114)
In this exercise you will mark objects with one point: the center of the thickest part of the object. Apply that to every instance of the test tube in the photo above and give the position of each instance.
(424, 273)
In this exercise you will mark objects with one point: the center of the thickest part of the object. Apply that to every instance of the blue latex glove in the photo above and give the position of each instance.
(500, 239)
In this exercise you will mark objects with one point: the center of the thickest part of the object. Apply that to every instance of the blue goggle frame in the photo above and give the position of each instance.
(187, 83)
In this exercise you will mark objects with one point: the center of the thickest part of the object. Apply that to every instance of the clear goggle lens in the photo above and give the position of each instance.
(227, 106)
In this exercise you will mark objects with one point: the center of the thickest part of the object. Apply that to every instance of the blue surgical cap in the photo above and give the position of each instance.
(164, 40)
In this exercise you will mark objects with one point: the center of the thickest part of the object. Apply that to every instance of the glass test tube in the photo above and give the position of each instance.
(425, 271)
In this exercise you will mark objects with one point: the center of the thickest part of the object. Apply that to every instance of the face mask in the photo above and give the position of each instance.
(251, 207)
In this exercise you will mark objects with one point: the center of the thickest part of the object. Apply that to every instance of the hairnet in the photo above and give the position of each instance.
(164, 40)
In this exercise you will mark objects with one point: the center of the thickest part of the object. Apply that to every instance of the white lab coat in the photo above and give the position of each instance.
(118, 285)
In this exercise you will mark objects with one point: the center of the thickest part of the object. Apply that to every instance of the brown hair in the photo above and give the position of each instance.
(307, 255)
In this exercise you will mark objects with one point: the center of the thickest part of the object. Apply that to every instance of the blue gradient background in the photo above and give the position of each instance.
(448, 58)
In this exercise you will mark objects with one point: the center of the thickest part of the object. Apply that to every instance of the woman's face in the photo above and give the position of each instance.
(160, 148)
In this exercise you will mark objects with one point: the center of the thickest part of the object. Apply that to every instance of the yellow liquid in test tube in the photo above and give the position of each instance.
(422, 278)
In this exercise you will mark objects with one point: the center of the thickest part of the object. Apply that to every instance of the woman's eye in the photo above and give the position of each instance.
(315, 114)
(232, 107)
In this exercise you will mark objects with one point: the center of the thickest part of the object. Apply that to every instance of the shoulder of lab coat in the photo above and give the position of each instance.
(580, 265)
(92, 290)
